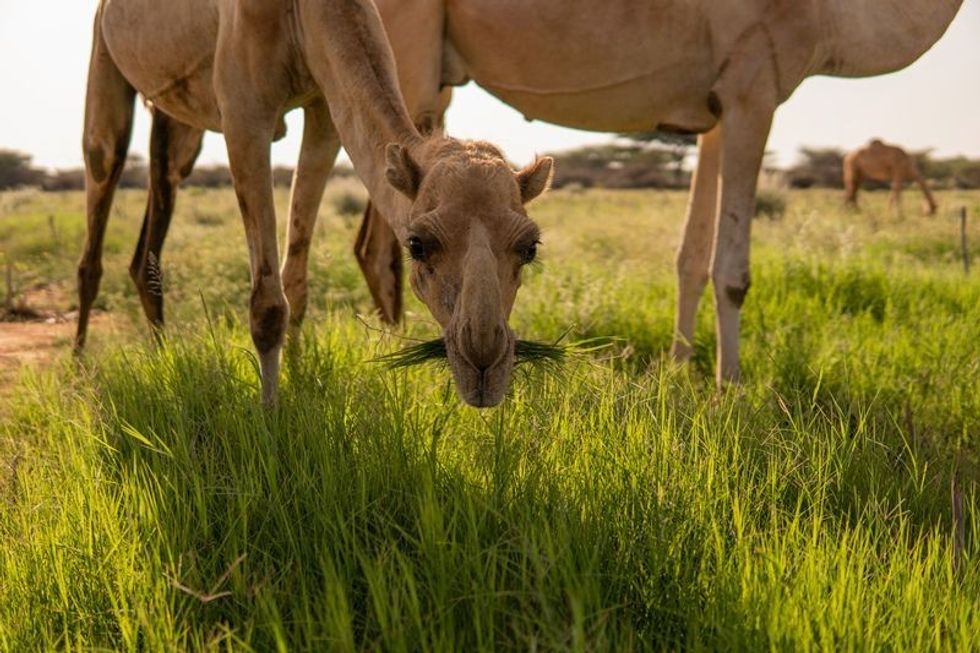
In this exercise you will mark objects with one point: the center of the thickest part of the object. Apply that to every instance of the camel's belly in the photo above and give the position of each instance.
(609, 66)
(166, 51)
(635, 105)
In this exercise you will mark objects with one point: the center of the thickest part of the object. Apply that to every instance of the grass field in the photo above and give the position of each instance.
(617, 503)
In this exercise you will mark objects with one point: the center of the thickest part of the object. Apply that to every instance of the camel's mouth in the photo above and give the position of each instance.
(480, 388)
(525, 352)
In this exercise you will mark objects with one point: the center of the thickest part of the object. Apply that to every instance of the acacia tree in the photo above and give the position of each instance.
(677, 145)
(821, 167)
(16, 170)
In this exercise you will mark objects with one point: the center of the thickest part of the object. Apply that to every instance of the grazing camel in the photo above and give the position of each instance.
(718, 68)
(882, 162)
(238, 67)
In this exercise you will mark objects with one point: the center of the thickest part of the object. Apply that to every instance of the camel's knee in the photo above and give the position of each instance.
(297, 296)
(731, 286)
(692, 266)
(89, 276)
(104, 163)
(269, 315)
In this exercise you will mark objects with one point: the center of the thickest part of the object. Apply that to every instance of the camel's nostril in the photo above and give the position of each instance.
(483, 347)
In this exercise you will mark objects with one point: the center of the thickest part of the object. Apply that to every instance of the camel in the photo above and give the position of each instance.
(882, 162)
(237, 68)
(718, 68)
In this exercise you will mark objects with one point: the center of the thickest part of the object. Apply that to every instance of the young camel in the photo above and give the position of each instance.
(714, 67)
(238, 67)
(882, 162)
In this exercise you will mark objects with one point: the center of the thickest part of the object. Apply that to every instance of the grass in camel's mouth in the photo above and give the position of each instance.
(525, 351)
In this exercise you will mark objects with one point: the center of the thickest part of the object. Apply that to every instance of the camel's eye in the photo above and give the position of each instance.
(528, 253)
(417, 249)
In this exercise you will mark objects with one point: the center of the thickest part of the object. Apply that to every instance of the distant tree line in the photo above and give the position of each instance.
(637, 160)
(642, 160)
(659, 160)
(16, 171)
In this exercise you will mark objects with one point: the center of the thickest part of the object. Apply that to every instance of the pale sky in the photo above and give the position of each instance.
(935, 103)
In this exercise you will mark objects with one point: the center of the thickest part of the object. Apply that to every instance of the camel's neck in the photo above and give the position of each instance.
(873, 37)
(347, 52)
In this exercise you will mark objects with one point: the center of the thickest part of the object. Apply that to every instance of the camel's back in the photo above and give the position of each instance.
(166, 51)
(881, 161)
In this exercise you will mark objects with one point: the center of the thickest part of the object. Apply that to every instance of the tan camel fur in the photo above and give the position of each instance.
(237, 66)
(715, 67)
(882, 162)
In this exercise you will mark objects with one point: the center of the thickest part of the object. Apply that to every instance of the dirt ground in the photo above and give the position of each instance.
(37, 330)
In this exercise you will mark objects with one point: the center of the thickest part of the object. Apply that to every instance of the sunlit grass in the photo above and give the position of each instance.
(148, 502)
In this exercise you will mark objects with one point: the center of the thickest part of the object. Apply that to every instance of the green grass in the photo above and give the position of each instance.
(614, 503)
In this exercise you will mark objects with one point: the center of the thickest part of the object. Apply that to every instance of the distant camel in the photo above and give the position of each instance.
(238, 67)
(718, 68)
(882, 162)
(714, 67)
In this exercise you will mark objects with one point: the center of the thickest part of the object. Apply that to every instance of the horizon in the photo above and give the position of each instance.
(926, 106)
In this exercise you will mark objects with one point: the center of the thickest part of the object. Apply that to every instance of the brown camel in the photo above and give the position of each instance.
(718, 68)
(238, 67)
(882, 162)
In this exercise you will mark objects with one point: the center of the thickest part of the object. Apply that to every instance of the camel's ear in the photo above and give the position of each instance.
(401, 171)
(536, 178)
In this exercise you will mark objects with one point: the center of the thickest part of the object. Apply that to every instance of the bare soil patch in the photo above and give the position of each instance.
(35, 330)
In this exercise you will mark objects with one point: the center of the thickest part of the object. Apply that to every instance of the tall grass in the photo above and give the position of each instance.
(148, 502)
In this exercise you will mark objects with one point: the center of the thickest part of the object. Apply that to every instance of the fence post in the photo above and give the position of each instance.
(964, 247)
(54, 232)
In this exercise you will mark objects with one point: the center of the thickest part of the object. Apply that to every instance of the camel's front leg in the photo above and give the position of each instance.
(694, 255)
(895, 198)
(316, 160)
(745, 128)
(249, 141)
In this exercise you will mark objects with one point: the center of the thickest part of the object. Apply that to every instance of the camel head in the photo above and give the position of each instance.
(469, 237)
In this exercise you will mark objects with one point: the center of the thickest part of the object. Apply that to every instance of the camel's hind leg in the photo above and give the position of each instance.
(852, 184)
(746, 119)
(316, 159)
(108, 126)
(694, 255)
(931, 205)
(174, 148)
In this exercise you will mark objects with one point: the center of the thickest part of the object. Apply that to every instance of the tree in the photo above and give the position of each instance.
(678, 145)
(823, 167)
(16, 170)
(613, 166)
